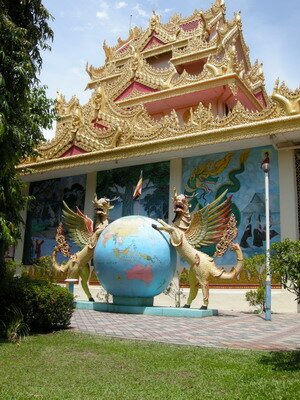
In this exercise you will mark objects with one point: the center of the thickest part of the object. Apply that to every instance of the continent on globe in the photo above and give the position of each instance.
(139, 272)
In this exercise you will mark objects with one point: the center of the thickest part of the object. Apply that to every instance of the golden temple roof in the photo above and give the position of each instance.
(162, 85)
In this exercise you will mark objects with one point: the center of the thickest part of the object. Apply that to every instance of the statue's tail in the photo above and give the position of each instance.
(239, 266)
(56, 266)
(63, 247)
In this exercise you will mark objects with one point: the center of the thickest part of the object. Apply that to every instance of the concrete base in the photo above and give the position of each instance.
(133, 301)
(160, 311)
(220, 299)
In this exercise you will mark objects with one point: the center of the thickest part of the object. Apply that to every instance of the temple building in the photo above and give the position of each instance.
(182, 102)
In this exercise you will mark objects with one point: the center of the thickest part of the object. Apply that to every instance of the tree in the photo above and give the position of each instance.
(285, 262)
(122, 181)
(24, 107)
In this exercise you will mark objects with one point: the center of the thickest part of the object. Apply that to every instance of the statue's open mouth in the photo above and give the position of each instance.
(179, 207)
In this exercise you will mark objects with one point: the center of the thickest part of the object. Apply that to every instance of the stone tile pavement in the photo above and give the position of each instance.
(228, 330)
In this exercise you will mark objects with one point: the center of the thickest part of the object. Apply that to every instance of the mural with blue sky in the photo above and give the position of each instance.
(240, 173)
(45, 211)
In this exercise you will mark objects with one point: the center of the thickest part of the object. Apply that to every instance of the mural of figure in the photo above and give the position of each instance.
(32, 249)
(38, 248)
(44, 211)
(247, 234)
(258, 234)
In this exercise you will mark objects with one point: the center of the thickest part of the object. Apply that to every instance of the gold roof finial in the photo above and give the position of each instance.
(154, 20)
(238, 18)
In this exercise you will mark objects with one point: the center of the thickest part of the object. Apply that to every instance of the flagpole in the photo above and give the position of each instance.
(138, 210)
(138, 191)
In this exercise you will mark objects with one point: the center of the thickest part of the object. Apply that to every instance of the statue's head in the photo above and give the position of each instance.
(180, 203)
(103, 205)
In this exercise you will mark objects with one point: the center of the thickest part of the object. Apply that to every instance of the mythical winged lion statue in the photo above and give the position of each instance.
(82, 232)
(213, 224)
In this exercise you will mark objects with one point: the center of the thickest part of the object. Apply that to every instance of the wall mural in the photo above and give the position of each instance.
(121, 182)
(240, 173)
(44, 213)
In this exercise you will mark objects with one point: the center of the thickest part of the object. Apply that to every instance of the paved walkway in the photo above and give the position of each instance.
(228, 330)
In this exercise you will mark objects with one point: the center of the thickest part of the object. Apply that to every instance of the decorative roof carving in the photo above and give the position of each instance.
(123, 127)
(287, 99)
(168, 33)
(103, 124)
(227, 64)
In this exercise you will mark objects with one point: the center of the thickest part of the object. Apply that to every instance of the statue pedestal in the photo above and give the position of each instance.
(146, 310)
(133, 301)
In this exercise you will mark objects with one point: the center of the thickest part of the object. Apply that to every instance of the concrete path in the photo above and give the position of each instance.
(228, 330)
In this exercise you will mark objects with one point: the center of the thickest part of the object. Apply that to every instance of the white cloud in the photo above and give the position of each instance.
(78, 71)
(120, 4)
(118, 30)
(165, 11)
(103, 5)
(140, 11)
(102, 15)
(82, 28)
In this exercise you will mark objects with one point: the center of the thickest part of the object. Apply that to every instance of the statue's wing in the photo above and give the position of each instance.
(80, 226)
(208, 224)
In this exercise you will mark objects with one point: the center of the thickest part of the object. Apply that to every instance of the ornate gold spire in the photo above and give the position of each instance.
(134, 79)
(287, 99)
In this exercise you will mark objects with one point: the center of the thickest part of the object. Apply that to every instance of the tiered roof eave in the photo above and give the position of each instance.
(121, 118)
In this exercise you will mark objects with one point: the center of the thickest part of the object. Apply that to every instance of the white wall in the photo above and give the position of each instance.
(288, 195)
(91, 183)
(20, 244)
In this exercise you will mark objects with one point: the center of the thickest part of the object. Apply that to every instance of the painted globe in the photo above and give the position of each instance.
(132, 259)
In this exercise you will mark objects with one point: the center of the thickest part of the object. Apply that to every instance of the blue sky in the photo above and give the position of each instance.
(271, 29)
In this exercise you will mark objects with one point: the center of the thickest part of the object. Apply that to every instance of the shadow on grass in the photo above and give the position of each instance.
(282, 360)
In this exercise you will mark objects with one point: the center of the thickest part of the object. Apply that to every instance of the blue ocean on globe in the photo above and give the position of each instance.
(132, 259)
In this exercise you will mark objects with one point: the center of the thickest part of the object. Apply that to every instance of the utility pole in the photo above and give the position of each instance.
(266, 168)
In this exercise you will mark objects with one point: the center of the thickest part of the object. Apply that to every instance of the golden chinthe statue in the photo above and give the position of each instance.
(213, 224)
(83, 234)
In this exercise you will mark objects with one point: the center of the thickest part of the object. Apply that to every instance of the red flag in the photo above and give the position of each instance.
(138, 189)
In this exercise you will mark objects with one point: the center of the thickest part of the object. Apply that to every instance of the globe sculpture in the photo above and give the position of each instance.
(133, 260)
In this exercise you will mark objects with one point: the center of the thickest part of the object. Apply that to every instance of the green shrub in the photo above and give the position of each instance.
(255, 267)
(14, 267)
(285, 262)
(15, 329)
(256, 298)
(44, 305)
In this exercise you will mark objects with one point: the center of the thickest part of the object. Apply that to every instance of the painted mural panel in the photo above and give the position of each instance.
(121, 182)
(44, 213)
(240, 173)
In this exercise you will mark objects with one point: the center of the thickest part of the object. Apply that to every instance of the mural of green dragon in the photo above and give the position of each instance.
(203, 181)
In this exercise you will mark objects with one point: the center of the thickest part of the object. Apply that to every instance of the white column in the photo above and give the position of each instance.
(175, 181)
(288, 195)
(90, 190)
(20, 244)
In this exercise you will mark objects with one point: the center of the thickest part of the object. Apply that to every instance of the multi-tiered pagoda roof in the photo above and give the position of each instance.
(182, 84)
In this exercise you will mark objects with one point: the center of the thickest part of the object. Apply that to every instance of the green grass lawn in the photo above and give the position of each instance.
(68, 365)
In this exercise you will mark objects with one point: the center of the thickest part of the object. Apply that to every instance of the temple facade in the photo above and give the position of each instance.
(182, 102)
